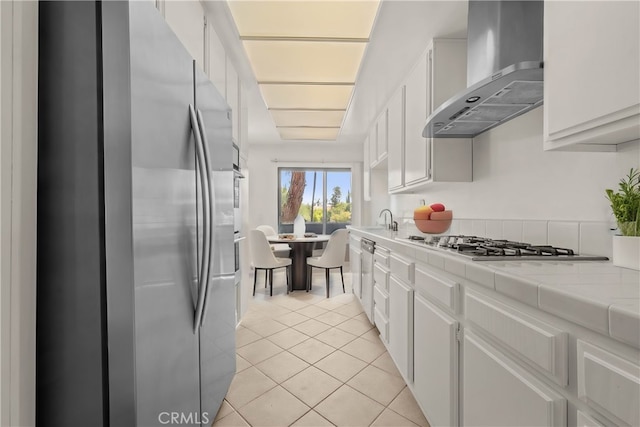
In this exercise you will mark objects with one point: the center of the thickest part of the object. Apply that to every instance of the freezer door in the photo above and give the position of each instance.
(217, 333)
(165, 228)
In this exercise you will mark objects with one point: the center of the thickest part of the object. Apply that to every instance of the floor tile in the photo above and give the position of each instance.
(289, 303)
(225, 409)
(341, 365)
(332, 318)
(311, 350)
(345, 298)
(245, 336)
(241, 364)
(282, 366)
(371, 335)
(232, 420)
(311, 327)
(377, 384)
(363, 317)
(292, 318)
(311, 385)
(312, 311)
(335, 337)
(365, 350)
(258, 351)
(277, 407)
(311, 419)
(406, 405)
(355, 326)
(386, 363)
(348, 407)
(266, 327)
(288, 338)
(329, 304)
(349, 310)
(388, 418)
(247, 385)
(308, 297)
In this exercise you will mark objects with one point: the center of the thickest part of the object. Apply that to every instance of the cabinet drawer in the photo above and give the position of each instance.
(585, 420)
(382, 323)
(609, 384)
(381, 301)
(381, 277)
(381, 256)
(435, 287)
(540, 344)
(402, 268)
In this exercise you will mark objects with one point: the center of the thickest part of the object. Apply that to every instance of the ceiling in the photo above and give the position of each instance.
(401, 31)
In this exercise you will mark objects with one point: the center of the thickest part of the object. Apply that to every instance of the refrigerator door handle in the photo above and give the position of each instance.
(207, 159)
(205, 183)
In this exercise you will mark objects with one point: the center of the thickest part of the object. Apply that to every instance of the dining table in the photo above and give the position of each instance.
(301, 249)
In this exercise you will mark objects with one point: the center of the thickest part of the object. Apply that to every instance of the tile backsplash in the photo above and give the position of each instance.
(586, 237)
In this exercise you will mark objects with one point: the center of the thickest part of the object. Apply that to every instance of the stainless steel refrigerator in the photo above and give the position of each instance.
(135, 296)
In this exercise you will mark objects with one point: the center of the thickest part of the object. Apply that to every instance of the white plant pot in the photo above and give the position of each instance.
(626, 252)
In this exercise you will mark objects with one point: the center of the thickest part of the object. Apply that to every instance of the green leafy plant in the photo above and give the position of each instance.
(625, 204)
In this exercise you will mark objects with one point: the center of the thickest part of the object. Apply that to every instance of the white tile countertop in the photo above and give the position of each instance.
(594, 294)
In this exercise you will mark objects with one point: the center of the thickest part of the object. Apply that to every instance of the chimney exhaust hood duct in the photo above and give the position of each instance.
(504, 69)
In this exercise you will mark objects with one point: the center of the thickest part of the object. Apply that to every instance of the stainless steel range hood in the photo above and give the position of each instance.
(504, 69)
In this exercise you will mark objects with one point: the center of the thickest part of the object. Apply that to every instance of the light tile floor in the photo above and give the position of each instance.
(305, 360)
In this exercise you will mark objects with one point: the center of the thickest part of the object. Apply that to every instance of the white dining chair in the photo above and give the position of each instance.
(262, 258)
(280, 250)
(332, 257)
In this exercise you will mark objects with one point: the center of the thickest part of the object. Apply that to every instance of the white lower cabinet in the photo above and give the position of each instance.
(619, 399)
(355, 256)
(498, 392)
(435, 372)
(400, 340)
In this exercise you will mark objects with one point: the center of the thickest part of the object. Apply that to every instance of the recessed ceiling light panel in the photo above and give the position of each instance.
(316, 97)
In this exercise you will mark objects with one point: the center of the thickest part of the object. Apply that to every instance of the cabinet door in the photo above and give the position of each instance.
(401, 326)
(373, 145)
(435, 356)
(395, 140)
(187, 20)
(416, 152)
(217, 70)
(382, 135)
(354, 259)
(591, 96)
(498, 392)
(233, 99)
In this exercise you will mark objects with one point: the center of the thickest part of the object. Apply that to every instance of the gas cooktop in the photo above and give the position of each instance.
(485, 249)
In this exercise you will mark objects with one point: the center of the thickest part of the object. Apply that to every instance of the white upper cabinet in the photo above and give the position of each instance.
(438, 75)
(217, 70)
(395, 138)
(373, 145)
(591, 74)
(416, 153)
(187, 20)
(233, 99)
(382, 136)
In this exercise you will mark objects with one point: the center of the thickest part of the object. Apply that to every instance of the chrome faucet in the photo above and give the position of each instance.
(393, 225)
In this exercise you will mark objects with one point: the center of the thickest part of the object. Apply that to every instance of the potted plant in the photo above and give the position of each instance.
(626, 208)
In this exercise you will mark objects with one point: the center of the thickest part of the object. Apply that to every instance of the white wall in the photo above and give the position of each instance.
(513, 178)
(18, 143)
(265, 159)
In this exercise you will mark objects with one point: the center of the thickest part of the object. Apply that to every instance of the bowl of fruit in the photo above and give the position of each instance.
(432, 219)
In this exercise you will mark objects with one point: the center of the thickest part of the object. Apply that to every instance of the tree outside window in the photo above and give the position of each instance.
(305, 192)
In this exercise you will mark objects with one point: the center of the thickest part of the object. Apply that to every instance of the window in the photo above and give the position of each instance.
(321, 196)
